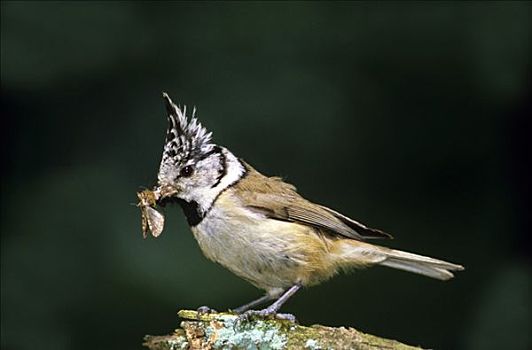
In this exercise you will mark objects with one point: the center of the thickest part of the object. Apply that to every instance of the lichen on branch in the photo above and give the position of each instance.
(226, 331)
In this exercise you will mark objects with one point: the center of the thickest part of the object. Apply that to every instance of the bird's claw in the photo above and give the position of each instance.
(203, 310)
(286, 317)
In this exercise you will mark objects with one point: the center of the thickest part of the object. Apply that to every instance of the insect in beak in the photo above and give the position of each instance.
(152, 220)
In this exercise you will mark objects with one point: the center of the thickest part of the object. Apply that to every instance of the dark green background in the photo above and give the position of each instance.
(411, 117)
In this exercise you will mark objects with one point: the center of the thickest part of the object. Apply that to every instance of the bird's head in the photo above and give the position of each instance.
(192, 166)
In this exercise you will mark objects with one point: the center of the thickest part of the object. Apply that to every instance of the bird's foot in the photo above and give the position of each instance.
(266, 313)
(286, 317)
(202, 310)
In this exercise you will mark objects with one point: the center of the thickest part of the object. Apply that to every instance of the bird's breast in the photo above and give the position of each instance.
(268, 253)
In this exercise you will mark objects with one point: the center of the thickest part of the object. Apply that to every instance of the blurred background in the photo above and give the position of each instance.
(411, 117)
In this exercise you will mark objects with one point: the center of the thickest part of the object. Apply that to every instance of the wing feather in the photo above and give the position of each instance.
(278, 200)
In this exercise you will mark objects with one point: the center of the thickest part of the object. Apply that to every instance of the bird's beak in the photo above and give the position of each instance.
(166, 191)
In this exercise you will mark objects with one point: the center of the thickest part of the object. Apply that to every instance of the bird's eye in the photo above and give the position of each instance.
(187, 171)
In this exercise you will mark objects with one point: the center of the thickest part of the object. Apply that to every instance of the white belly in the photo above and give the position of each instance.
(253, 247)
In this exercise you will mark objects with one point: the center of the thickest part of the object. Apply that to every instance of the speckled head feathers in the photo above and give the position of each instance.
(186, 139)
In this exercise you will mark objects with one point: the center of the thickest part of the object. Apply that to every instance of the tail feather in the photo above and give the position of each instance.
(422, 269)
(420, 264)
(368, 254)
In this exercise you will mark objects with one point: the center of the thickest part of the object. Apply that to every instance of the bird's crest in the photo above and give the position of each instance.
(185, 139)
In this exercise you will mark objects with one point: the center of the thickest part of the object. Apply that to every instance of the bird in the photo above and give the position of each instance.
(259, 227)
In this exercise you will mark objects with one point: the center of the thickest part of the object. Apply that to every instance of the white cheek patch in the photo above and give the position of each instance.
(205, 195)
(209, 170)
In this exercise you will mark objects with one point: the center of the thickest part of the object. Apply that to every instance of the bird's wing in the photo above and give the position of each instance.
(278, 200)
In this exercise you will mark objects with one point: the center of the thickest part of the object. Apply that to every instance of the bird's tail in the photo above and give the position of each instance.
(350, 253)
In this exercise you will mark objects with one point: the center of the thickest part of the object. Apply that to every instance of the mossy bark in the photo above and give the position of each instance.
(226, 331)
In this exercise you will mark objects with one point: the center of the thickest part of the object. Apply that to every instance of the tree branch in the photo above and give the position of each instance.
(225, 331)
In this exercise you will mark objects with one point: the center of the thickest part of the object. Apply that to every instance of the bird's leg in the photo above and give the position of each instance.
(273, 308)
(253, 303)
